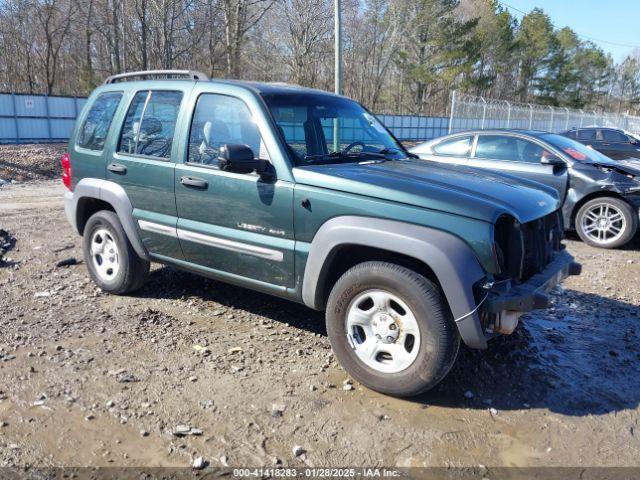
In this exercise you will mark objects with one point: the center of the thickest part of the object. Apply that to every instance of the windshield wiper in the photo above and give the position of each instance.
(344, 156)
(388, 150)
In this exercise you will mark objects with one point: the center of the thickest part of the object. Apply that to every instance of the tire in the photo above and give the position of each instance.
(120, 272)
(620, 222)
(435, 345)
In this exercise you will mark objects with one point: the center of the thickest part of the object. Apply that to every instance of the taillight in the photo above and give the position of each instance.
(65, 161)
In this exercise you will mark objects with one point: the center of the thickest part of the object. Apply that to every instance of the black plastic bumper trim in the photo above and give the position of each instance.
(532, 295)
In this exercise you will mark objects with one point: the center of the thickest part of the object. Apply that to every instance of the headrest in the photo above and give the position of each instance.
(206, 132)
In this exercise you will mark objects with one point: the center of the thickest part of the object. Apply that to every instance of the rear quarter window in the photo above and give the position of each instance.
(95, 127)
(458, 147)
(587, 134)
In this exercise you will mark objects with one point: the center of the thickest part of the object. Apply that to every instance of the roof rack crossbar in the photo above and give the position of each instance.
(191, 74)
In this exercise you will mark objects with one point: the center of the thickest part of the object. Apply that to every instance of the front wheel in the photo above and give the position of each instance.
(390, 329)
(606, 222)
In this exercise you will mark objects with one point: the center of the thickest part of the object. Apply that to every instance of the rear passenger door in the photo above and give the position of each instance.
(143, 164)
(520, 157)
(238, 226)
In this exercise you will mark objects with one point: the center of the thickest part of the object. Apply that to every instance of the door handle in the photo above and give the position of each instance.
(193, 182)
(117, 168)
(606, 144)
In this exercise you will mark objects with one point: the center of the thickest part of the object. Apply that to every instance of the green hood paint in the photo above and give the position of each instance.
(454, 189)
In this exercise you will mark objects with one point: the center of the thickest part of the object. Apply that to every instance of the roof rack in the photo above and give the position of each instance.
(190, 74)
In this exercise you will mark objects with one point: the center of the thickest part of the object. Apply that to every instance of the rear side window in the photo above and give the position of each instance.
(503, 147)
(587, 134)
(150, 124)
(218, 120)
(458, 147)
(95, 128)
(614, 136)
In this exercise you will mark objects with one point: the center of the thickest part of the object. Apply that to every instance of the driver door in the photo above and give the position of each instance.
(234, 224)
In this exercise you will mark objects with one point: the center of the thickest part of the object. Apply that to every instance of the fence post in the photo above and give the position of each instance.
(46, 112)
(508, 113)
(15, 116)
(484, 113)
(453, 106)
(581, 117)
(552, 111)
(530, 116)
(566, 125)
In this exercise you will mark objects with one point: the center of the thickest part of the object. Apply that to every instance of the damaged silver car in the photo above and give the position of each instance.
(601, 196)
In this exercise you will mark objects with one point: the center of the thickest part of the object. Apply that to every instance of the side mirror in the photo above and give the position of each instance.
(550, 159)
(239, 158)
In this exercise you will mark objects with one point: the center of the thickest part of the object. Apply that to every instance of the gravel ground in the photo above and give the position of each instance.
(191, 367)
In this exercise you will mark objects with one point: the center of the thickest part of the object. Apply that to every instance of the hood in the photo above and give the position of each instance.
(455, 189)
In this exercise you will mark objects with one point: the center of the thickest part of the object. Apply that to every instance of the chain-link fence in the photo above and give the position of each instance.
(472, 112)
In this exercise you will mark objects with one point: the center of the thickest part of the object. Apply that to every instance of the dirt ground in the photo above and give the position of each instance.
(22, 163)
(90, 379)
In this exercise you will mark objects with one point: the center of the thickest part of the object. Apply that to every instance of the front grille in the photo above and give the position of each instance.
(525, 249)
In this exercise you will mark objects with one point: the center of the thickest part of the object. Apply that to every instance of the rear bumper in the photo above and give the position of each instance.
(70, 205)
(532, 294)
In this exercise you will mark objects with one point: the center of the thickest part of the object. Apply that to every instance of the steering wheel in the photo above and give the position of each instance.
(351, 146)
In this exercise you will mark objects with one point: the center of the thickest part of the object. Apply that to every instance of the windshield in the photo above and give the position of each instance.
(322, 129)
(576, 150)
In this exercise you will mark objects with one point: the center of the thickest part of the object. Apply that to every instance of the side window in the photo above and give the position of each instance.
(614, 136)
(459, 147)
(150, 124)
(220, 119)
(93, 132)
(587, 134)
(502, 147)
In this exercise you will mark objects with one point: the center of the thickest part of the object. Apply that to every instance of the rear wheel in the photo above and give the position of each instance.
(390, 329)
(606, 222)
(111, 260)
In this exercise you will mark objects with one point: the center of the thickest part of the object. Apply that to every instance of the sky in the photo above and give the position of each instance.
(614, 21)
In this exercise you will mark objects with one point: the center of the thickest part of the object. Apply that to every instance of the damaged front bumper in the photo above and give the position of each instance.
(503, 302)
(532, 294)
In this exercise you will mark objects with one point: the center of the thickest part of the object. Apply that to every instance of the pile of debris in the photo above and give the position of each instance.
(7, 242)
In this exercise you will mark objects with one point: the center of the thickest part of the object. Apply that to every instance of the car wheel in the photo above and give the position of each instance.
(606, 222)
(390, 329)
(111, 260)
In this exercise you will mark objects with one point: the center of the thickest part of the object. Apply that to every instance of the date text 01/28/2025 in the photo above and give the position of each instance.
(318, 472)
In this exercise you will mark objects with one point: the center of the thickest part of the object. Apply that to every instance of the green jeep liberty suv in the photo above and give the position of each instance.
(306, 195)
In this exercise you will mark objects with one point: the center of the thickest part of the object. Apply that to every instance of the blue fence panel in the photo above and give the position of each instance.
(37, 118)
(8, 129)
(414, 127)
